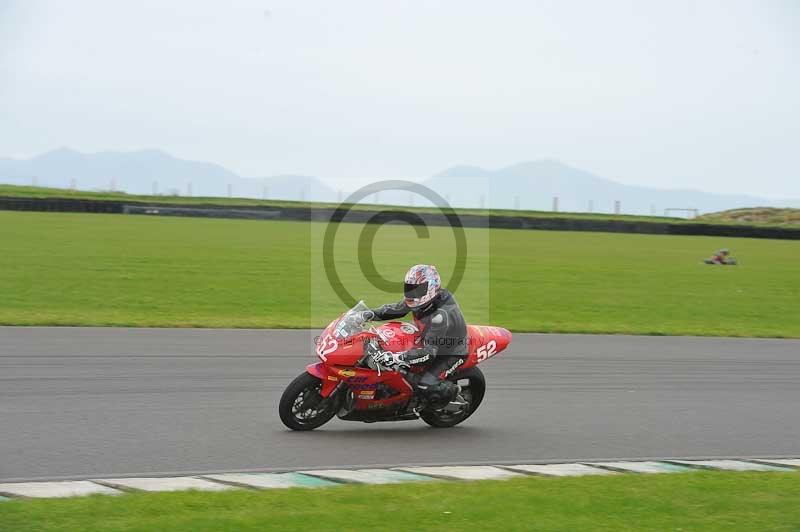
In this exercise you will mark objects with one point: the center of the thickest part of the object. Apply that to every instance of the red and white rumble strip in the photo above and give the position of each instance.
(336, 477)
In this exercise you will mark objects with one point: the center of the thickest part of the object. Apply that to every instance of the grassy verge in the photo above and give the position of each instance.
(755, 216)
(95, 269)
(694, 501)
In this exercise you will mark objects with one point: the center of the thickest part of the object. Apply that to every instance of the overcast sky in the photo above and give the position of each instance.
(700, 94)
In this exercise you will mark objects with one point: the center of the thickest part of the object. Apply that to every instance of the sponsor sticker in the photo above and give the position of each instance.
(452, 369)
(408, 328)
(347, 373)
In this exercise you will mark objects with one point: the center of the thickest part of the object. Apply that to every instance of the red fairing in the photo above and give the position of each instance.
(349, 351)
(398, 336)
(365, 383)
(346, 352)
(323, 373)
(485, 342)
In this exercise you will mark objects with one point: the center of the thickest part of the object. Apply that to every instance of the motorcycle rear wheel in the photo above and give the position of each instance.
(473, 393)
(302, 407)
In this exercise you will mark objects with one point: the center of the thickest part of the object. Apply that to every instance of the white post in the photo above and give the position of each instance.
(155, 188)
(72, 184)
(555, 203)
(339, 196)
(112, 185)
(591, 205)
(410, 199)
(653, 209)
(230, 190)
(264, 191)
(482, 201)
(189, 189)
(302, 194)
(516, 203)
(34, 181)
(617, 207)
(378, 198)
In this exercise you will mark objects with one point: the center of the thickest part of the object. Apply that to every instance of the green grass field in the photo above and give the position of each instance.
(93, 269)
(722, 502)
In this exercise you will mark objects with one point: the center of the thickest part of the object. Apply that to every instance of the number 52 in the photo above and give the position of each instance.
(486, 351)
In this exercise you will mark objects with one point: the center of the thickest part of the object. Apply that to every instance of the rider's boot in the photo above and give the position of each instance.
(439, 395)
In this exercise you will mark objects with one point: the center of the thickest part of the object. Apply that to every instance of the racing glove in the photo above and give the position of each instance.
(421, 355)
(389, 361)
(366, 315)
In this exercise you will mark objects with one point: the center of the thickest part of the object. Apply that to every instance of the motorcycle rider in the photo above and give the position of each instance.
(720, 257)
(443, 333)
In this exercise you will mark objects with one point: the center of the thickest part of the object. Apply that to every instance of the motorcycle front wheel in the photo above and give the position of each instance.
(473, 388)
(302, 407)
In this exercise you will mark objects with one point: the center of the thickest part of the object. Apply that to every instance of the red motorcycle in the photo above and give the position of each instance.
(350, 384)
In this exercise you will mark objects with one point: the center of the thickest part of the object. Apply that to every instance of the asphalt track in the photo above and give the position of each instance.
(86, 402)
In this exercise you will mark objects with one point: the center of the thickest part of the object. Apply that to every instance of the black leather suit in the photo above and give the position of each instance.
(444, 346)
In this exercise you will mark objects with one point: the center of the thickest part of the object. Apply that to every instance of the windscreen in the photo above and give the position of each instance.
(351, 323)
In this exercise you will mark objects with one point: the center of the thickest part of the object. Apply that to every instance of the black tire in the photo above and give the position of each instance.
(477, 389)
(305, 389)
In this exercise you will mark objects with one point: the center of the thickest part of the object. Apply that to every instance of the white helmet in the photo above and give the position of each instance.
(422, 284)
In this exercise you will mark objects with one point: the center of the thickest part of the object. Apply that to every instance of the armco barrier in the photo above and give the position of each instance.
(59, 205)
(322, 214)
(201, 212)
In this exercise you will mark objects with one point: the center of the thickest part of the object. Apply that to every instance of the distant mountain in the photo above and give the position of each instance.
(529, 185)
(533, 185)
(134, 172)
(464, 170)
(149, 171)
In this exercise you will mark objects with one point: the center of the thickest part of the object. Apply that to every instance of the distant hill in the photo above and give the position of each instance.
(757, 215)
(533, 185)
(146, 171)
(530, 185)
